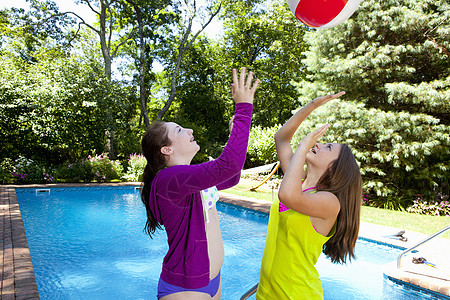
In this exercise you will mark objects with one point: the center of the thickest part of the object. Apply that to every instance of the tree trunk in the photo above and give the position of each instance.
(184, 45)
(103, 43)
(143, 91)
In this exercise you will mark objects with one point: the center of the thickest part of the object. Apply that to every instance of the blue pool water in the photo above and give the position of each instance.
(88, 243)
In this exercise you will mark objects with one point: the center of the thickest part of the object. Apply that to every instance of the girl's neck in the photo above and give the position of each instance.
(308, 183)
(311, 180)
(176, 161)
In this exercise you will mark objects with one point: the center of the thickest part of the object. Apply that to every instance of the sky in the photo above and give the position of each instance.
(64, 5)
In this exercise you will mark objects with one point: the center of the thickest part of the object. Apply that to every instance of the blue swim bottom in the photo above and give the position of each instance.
(165, 289)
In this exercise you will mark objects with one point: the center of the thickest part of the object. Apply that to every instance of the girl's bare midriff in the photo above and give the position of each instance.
(215, 244)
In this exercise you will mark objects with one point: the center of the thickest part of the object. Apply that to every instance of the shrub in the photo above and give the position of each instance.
(388, 202)
(6, 171)
(26, 170)
(98, 167)
(261, 145)
(75, 172)
(135, 169)
(21, 170)
(104, 169)
(48, 177)
(433, 207)
(366, 200)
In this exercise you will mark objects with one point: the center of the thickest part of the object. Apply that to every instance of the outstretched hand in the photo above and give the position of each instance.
(311, 139)
(319, 101)
(241, 88)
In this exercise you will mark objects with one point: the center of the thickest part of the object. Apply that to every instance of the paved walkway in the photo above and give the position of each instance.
(17, 274)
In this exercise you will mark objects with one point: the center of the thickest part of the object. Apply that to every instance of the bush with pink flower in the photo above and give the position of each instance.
(437, 207)
(135, 169)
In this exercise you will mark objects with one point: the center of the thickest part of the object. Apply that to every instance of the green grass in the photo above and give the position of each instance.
(398, 219)
(405, 220)
(243, 190)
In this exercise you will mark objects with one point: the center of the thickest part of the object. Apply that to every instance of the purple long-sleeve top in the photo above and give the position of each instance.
(176, 203)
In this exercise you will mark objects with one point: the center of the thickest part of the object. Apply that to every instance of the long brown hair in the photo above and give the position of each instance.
(343, 179)
(153, 140)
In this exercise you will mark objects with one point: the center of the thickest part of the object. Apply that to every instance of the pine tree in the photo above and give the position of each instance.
(392, 59)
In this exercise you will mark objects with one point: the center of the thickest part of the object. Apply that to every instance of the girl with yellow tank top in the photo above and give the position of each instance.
(315, 213)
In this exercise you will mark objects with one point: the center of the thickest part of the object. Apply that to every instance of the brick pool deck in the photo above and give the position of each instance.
(18, 279)
(17, 274)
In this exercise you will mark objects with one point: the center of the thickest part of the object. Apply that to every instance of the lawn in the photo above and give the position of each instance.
(398, 219)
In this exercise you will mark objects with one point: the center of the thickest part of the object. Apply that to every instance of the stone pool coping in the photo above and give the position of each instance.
(17, 273)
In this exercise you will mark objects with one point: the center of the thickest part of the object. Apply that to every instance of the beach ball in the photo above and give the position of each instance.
(323, 13)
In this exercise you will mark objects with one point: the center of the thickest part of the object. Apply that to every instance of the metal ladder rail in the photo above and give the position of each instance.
(249, 292)
(400, 256)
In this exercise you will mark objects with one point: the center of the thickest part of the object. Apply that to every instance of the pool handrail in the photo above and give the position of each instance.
(400, 256)
(249, 292)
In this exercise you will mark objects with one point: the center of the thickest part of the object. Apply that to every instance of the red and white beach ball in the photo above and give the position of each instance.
(323, 13)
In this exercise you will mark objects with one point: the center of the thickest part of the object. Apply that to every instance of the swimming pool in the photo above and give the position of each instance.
(88, 243)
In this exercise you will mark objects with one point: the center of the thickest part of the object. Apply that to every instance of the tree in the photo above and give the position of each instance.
(111, 38)
(392, 59)
(23, 32)
(184, 42)
(54, 108)
(199, 99)
(152, 20)
(108, 27)
(267, 39)
(204, 101)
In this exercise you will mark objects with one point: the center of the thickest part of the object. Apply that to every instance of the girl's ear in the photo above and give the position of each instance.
(166, 150)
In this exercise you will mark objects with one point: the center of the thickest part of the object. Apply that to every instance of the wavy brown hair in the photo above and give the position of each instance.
(343, 179)
(153, 140)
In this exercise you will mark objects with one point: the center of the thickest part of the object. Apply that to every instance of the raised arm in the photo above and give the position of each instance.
(322, 204)
(284, 135)
(180, 180)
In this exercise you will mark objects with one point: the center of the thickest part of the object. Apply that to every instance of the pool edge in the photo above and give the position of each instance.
(18, 280)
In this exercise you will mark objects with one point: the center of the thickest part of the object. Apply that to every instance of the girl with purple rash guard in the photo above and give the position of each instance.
(181, 197)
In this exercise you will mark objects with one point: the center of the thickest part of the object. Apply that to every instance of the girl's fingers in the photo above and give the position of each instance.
(321, 131)
(329, 97)
(242, 79)
(255, 85)
(249, 79)
(339, 94)
(324, 99)
(335, 96)
(235, 78)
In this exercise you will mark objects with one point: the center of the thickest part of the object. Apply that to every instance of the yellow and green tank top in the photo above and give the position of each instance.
(288, 265)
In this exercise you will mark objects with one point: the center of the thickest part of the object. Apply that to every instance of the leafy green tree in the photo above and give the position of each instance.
(200, 106)
(55, 108)
(392, 59)
(25, 32)
(150, 23)
(185, 39)
(265, 37)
